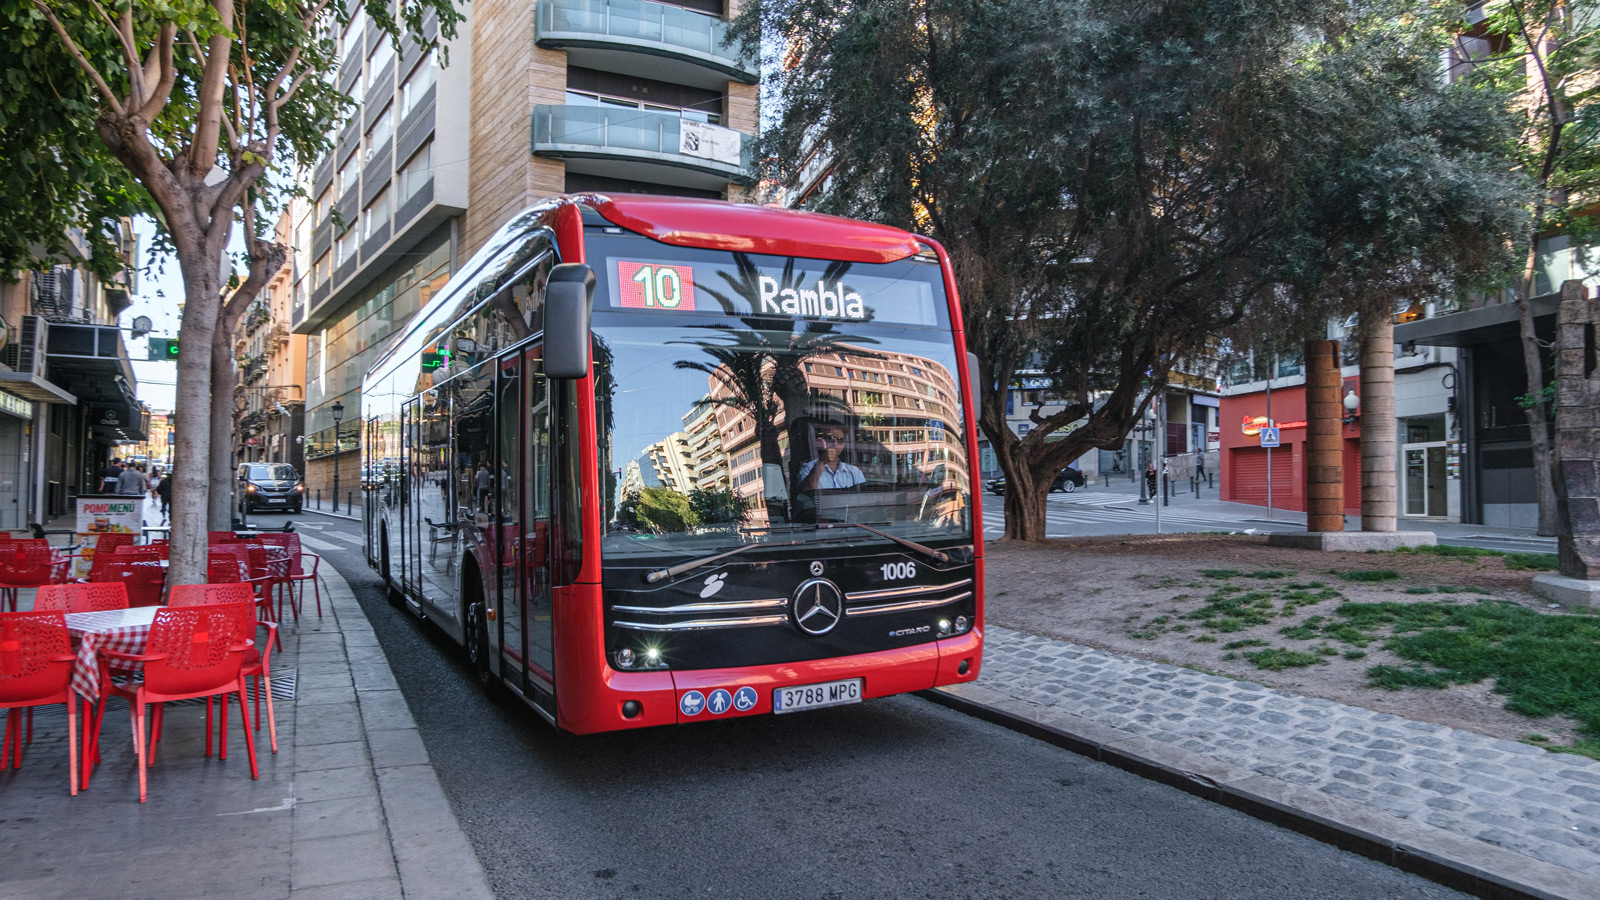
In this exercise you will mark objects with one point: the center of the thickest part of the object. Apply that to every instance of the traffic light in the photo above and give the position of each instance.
(164, 349)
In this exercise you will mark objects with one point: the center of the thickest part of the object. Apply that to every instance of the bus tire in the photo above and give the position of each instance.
(476, 636)
(390, 592)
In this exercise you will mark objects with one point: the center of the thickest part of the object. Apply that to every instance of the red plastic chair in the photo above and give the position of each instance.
(193, 652)
(257, 664)
(110, 541)
(25, 564)
(36, 670)
(222, 570)
(144, 579)
(221, 537)
(298, 575)
(77, 598)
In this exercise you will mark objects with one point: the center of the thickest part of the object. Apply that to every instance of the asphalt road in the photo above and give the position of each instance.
(892, 798)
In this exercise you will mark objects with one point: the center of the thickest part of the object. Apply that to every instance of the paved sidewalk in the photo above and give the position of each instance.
(1487, 816)
(349, 808)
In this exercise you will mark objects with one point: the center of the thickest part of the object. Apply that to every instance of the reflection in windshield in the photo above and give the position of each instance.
(719, 427)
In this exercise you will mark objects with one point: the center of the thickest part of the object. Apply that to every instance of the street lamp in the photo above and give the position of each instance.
(338, 414)
(1352, 403)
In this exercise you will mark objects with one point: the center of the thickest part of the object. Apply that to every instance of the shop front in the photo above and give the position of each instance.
(1276, 476)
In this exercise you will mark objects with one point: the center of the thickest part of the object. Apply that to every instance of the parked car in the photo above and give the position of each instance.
(1068, 480)
(270, 486)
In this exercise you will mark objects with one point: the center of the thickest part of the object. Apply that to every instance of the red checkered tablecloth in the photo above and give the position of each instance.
(122, 630)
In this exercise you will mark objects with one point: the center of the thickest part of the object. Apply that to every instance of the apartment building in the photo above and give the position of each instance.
(67, 399)
(530, 99)
(269, 401)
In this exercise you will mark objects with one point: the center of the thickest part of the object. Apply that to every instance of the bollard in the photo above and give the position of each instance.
(1166, 491)
(319, 498)
(349, 502)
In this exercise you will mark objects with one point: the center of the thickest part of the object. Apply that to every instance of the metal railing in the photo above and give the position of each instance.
(671, 28)
(627, 132)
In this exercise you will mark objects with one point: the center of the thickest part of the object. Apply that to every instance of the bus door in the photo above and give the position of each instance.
(403, 517)
(527, 637)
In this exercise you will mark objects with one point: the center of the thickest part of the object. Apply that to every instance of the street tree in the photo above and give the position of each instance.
(201, 101)
(1116, 182)
(62, 179)
(1546, 55)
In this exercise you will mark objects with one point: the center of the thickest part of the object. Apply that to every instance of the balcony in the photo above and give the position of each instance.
(631, 143)
(603, 34)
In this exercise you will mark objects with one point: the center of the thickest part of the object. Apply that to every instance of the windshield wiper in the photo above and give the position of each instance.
(674, 571)
(924, 549)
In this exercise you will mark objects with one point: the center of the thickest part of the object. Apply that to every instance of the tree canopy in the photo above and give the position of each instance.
(1119, 183)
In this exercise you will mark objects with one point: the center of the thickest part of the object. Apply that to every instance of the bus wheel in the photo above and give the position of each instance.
(477, 641)
(390, 592)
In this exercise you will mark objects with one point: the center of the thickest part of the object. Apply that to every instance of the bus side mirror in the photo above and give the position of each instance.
(568, 301)
(974, 382)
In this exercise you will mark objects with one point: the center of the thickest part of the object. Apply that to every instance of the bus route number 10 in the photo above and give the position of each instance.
(654, 286)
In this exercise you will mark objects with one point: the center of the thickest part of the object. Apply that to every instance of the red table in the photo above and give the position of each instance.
(123, 630)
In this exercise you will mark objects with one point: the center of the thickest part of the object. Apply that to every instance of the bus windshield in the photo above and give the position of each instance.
(760, 400)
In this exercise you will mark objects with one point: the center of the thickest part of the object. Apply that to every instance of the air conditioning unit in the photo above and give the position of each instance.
(26, 352)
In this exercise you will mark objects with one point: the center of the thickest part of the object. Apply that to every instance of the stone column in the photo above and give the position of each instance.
(1577, 451)
(1324, 441)
(1378, 427)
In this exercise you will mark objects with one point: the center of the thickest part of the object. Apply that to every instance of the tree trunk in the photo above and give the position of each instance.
(1025, 504)
(1378, 426)
(219, 512)
(191, 459)
(1324, 442)
(1544, 456)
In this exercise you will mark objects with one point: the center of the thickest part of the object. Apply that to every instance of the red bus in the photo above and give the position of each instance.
(656, 460)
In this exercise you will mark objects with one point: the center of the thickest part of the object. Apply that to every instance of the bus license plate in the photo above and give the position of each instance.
(816, 696)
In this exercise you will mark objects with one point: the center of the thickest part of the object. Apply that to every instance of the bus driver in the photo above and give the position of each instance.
(834, 473)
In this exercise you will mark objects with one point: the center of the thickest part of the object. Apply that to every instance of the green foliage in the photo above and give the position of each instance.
(718, 506)
(656, 509)
(1537, 562)
(1276, 659)
(1450, 551)
(1117, 184)
(1369, 575)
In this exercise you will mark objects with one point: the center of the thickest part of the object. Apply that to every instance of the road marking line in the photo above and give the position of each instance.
(307, 540)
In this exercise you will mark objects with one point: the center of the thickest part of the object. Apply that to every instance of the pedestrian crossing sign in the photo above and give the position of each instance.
(1269, 437)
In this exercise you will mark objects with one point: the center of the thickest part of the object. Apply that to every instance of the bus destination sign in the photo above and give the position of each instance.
(681, 286)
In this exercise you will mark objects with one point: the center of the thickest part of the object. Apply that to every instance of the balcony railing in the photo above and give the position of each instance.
(642, 25)
(601, 131)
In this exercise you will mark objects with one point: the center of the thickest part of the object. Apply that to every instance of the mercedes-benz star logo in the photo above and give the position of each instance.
(818, 606)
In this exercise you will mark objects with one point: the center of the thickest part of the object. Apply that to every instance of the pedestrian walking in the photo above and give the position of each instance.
(1200, 465)
(1150, 477)
(110, 476)
(132, 482)
(164, 491)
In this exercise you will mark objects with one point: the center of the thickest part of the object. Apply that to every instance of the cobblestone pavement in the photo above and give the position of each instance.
(1509, 813)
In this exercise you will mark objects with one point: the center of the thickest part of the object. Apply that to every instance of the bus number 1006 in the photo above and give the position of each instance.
(898, 571)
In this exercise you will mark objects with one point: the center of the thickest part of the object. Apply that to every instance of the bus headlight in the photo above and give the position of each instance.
(625, 658)
(961, 624)
(944, 626)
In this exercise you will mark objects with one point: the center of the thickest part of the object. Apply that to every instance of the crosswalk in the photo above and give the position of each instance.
(1070, 515)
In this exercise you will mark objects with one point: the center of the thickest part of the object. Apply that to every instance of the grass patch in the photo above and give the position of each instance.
(1369, 575)
(1448, 550)
(1531, 562)
(1276, 659)
(1355, 654)
(1221, 573)
(1204, 639)
(1240, 645)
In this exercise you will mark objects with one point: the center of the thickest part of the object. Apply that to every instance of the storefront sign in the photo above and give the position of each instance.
(1254, 424)
(10, 403)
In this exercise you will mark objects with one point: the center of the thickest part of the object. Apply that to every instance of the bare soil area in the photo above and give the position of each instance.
(1154, 597)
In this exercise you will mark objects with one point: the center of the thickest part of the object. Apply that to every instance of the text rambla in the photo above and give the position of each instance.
(820, 302)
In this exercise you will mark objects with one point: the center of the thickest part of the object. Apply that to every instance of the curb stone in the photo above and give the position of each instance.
(378, 825)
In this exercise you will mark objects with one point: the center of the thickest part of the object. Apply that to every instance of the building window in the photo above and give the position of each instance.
(351, 37)
(415, 173)
(348, 174)
(381, 131)
(376, 215)
(319, 272)
(417, 84)
(382, 54)
(345, 248)
(324, 204)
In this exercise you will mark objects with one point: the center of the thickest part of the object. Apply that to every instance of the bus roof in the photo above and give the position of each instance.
(774, 230)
